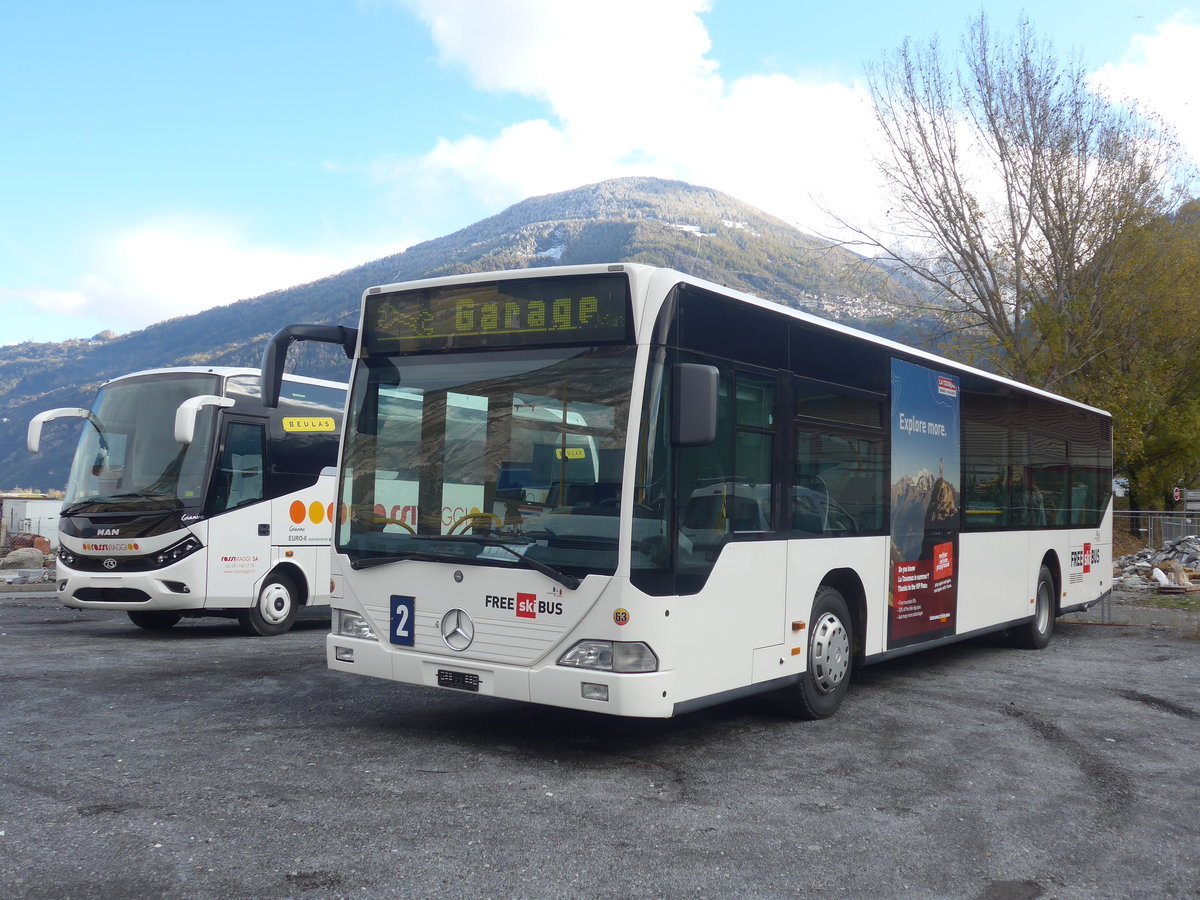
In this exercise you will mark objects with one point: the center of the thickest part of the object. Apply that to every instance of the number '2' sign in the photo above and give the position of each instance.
(402, 621)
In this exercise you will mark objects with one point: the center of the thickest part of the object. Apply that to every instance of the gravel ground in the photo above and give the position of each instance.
(201, 763)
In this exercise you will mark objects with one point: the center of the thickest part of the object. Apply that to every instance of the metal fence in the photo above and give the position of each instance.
(1156, 527)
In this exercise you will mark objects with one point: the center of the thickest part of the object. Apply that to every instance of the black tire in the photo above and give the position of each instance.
(155, 620)
(823, 686)
(1037, 632)
(274, 611)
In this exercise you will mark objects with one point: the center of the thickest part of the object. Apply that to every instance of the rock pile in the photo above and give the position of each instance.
(24, 558)
(1175, 565)
(26, 565)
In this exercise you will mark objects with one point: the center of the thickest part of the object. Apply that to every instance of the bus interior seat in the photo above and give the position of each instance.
(246, 480)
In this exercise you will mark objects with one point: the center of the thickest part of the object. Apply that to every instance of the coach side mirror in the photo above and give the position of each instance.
(694, 404)
(33, 435)
(185, 415)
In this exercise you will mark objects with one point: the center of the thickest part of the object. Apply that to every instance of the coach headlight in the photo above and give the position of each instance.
(177, 551)
(66, 556)
(611, 656)
(351, 624)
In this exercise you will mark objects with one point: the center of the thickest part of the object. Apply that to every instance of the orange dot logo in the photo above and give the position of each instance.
(316, 512)
(329, 512)
(296, 511)
(621, 616)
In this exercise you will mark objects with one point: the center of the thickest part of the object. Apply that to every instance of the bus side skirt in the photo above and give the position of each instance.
(942, 642)
(750, 690)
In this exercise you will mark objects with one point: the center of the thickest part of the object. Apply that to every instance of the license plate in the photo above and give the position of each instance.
(460, 680)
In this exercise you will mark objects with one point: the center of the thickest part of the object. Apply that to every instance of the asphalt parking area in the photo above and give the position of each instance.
(201, 763)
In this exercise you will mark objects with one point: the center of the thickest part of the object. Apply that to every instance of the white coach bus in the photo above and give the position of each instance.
(188, 497)
(622, 489)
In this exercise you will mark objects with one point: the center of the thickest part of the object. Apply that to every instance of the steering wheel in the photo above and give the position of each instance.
(472, 516)
(384, 520)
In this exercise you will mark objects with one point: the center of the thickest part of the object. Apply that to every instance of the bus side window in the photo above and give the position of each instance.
(838, 483)
(987, 481)
(1049, 502)
(240, 468)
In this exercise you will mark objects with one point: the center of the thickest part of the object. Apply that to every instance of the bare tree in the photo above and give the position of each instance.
(1013, 180)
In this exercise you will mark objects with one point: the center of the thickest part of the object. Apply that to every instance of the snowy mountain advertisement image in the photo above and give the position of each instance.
(925, 503)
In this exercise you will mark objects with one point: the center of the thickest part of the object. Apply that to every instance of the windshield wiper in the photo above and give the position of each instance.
(568, 581)
(373, 561)
(121, 500)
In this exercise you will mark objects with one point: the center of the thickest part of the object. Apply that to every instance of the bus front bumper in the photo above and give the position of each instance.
(646, 694)
(160, 590)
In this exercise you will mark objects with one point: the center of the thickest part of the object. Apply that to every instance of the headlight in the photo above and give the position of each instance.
(67, 557)
(611, 656)
(351, 624)
(177, 551)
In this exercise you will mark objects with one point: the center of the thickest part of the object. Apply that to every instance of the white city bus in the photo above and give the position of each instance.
(627, 490)
(188, 497)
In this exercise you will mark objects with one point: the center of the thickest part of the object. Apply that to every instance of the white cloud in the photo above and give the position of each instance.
(640, 98)
(1159, 72)
(175, 267)
(45, 299)
(575, 54)
(630, 89)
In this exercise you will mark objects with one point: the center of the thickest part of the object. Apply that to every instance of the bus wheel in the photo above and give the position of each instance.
(156, 620)
(1037, 633)
(274, 611)
(823, 685)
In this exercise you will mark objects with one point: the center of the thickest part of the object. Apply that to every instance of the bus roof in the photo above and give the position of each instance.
(644, 273)
(222, 372)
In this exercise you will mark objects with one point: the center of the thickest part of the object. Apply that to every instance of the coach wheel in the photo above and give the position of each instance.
(155, 621)
(1037, 633)
(274, 611)
(823, 686)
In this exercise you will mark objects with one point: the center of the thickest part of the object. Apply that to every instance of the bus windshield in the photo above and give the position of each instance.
(501, 457)
(127, 457)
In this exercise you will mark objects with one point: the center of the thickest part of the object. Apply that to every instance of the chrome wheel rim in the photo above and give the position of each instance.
(830, 658)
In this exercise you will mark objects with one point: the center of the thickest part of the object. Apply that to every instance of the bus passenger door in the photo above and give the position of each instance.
(239, 527)
(729, 553)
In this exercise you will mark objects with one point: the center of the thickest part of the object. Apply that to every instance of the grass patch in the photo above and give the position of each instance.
(1186, 602)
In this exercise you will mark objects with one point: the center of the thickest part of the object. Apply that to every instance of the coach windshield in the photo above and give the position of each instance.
(127, 458)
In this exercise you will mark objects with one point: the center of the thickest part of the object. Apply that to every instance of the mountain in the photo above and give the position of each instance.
(649, 220)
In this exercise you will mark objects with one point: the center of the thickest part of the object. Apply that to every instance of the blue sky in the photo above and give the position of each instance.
(158, 159)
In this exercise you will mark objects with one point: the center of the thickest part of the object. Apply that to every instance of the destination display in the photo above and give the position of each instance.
(576, 309)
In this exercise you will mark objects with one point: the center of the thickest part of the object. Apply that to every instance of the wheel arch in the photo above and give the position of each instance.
(296, 575)
(847, 583)
(1050, 561)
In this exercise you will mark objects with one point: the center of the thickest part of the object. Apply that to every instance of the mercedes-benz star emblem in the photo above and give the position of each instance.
(110, 563)
(457, 630)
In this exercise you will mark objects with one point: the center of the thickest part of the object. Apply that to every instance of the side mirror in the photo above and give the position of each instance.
(694, 404)
(275, 353)
(33, 437)
(185, 416)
